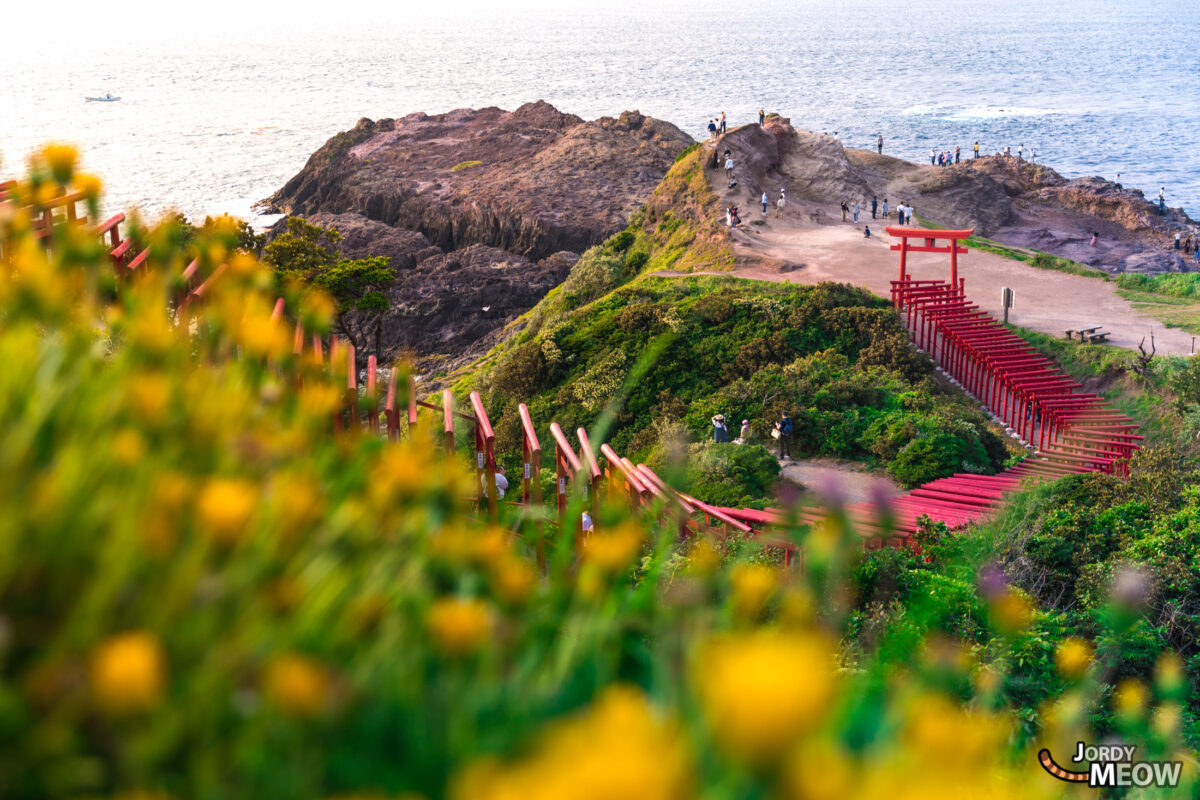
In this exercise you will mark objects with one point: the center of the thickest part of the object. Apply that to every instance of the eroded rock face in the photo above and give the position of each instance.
(446, 306)
(532, 181)
(482, 212)
(1008, 199)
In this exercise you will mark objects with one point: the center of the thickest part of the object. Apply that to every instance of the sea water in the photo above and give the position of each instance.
(219, 109)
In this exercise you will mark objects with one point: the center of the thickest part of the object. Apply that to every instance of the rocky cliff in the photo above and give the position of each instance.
(481, 211)
(533, 181)
(1004, 198)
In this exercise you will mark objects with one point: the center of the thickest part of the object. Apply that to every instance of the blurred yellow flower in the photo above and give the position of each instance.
(1073, 657)
(1012, 611)
(459, 626)
(751, 588)
(225, 507)
(128, 447)
(128, 672)
(762, 690)
(298, 685)
(1130, 698)
(615, 750)
(262, 336)
(818, 771)
(45, 194)
(60, 158)
(241, 263)
(1169, 676)
(89, 184)
(611, 551)
(149, 396)
(318, 400)
(403, 470)
(704, 558)
(513, 578)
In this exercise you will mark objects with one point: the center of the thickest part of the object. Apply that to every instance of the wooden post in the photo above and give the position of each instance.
(531, 478)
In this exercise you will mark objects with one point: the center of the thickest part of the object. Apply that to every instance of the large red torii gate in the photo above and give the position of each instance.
(930, 237)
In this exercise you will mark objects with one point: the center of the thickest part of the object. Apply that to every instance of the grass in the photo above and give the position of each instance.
(1034, 258)
(460, 166)
(1173, 299)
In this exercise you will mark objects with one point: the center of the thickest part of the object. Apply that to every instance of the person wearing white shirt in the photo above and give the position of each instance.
(501, 483)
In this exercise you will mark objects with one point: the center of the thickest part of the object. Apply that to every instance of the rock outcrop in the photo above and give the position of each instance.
(533, 181)
(482, 212)
(1004, 198)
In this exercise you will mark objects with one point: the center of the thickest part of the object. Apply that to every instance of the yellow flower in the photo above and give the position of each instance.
(298, 685)
(128, 672)
(45, 194)
(1012, 611)
(90, 185)
(762, 690)
(612, 551)
(318, 400)
(513, 578)
(751, 588)
(404, 470)
(616, 750)
(1130, 698)
(150, 396)
(61, 159)
(819, 772)
(459, 626)
(225, 507)
(260, 335)
(128, 447)
(1073, 658)
(241, 263)
(704, 558)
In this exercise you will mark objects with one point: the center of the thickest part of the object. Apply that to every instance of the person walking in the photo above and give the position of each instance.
(712, 129)
(722, 126)
(729, 168)
(977, 149)
(720, 431)
(845, 209)
(874, 206)
(764, 203)
(885, 208)
(956, 155)
(879, 144)
(854, 208)
(762, 117)
(784, 428)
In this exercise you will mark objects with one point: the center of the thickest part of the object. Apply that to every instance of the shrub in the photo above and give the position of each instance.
(636, 260)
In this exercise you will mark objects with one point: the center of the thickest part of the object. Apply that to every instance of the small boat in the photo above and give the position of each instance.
(109, 97)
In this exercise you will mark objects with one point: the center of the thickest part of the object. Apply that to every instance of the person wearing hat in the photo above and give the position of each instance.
(720, 432)
(744, 433)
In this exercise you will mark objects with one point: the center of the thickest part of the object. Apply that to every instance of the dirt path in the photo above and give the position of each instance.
(848, 479)
(809, 244)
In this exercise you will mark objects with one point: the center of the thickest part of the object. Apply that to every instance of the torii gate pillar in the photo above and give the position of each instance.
(929, 246)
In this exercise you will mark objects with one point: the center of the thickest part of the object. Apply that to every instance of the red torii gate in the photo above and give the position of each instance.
(930, 237)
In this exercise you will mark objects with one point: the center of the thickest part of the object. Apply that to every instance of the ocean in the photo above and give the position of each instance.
(219, 109)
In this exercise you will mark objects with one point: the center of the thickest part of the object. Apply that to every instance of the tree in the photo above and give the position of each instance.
(308, 253)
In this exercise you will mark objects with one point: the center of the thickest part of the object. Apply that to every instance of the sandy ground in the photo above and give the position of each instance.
(846, 478)
(799, 248)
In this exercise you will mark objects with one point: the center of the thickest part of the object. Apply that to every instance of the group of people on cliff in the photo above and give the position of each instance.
(904, 211)
(781, 432)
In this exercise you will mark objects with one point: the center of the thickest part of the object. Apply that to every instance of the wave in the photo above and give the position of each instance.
(976, 113)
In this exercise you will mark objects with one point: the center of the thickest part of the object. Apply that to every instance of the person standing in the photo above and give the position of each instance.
(1178, 237)
(977, 149)
(1162, 200)
(1020, 151)
(762, 117)
(932, 157)
(1095, 237)
(720, 432)
(1032, 156)
(744, 433)
(874, 206)
(854, 208)
(764, 203)
(729, 216)
(784, 426)
(1007, 152)
(729, 168)
(879, 144)
(885, 208)
(781, 202)
(957, 159)
(845, 208)
(722, 128)
(712, 129)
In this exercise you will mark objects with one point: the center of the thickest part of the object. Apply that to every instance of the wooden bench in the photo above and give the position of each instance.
(1096, 337)
(1083, 332)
